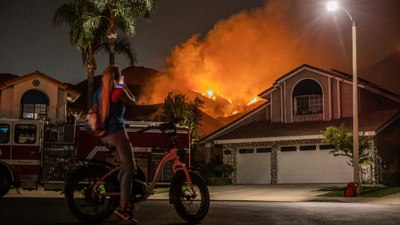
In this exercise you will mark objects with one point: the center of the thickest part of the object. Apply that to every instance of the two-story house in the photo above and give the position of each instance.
(281, 140)
(35, 95)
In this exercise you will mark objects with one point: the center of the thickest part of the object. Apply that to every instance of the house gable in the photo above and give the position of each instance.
(57, 94)
(337, 99)
(335, 96)
(284, 99)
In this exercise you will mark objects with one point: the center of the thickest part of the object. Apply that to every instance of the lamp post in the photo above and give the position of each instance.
(331, 7)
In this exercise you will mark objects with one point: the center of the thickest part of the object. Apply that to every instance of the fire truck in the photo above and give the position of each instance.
(34, 153)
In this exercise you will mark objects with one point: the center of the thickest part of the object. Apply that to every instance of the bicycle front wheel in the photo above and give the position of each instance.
(89, 205)
(188, 206)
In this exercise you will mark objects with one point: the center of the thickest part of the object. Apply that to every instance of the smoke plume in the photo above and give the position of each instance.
(244, 54)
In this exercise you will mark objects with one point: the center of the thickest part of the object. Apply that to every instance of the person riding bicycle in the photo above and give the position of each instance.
(112, 97)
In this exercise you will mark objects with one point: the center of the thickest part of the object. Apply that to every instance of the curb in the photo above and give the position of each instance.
(284, 193)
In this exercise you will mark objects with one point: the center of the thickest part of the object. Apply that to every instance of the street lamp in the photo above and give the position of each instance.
(332, 5)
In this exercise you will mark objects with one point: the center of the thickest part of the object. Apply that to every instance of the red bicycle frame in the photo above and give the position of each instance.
(176, 166)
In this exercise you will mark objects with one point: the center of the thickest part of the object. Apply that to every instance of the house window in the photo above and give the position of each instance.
(308, 148)
(307, 98)
(4, 133)
(263, 150)
(33, 104)
(288, 149)
(326, 147)
(246, 151)
(309, 104)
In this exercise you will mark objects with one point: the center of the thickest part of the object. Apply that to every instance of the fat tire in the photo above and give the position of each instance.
(93, 172)
(5, 183)
(178, 199)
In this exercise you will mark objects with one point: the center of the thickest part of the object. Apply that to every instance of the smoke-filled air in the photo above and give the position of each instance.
(244, 54)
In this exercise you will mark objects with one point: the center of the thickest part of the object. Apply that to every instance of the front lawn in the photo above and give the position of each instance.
(160, 190)
(365, 191)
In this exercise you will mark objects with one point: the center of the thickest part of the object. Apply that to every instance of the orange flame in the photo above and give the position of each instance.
(210, 93)
(254, 100)
(244, 54)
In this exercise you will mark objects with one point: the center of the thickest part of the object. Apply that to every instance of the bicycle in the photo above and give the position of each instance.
(92, 189)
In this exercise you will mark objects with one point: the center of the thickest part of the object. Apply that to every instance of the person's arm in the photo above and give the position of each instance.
(126, 96)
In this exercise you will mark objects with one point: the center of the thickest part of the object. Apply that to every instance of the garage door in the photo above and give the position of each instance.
(254, 166)
(312, 166)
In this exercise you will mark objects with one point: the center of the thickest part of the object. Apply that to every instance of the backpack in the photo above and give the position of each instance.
(92, 122)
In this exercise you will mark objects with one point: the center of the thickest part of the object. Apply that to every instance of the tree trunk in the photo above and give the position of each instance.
(91, 68)
(111, 45)
(111, 37)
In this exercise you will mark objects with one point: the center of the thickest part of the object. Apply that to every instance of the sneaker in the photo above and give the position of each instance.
(125, 215)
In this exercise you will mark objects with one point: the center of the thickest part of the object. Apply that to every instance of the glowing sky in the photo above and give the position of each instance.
(215, 35)
(29, 42)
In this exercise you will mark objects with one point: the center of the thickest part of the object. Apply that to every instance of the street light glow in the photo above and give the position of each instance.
(332, 5)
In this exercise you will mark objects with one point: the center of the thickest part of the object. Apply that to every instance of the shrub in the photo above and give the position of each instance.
(217, 174)
(224, 169)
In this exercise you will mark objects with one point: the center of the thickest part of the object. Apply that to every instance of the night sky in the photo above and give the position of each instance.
(29, 42)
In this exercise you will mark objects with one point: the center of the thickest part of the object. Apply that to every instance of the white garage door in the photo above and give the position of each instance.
(254, 166)
(315, 166)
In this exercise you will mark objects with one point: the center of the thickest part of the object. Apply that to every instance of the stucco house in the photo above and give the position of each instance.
(281, 140)
(35, 95)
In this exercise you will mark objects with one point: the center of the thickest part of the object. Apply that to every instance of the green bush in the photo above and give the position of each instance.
(216, 174)
(224, 169)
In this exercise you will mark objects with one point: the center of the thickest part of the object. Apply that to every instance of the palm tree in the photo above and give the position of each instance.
(122, 46)
(114, 15)
(88, 41)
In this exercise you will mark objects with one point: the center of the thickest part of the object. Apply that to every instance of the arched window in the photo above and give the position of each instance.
(307, 98)
(33, 103)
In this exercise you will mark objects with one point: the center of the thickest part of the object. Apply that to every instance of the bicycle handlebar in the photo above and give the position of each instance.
(168, 128)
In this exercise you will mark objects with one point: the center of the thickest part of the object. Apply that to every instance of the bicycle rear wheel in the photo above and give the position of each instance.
(189, 207)
(84, 202)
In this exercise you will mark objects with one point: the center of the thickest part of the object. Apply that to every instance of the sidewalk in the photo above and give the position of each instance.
(291, 193)
(276, 193)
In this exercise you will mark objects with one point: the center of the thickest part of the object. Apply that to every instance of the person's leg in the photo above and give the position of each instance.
(124, 148)
(125, 152)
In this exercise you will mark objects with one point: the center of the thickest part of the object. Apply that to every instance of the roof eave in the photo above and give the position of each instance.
(280, 138)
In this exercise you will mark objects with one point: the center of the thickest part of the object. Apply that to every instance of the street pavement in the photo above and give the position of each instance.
(273, 193)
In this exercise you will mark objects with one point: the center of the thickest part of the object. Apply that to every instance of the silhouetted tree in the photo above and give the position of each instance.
(116, 15)
(178, 108)
(342, 139)
(88, 41)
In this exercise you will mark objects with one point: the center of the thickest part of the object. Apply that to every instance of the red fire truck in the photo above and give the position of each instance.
(35, 153)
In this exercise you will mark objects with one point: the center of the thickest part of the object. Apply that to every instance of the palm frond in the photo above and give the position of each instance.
(124, 46)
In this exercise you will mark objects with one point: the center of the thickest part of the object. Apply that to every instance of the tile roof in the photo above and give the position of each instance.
(6, 77)
(9, 80)
(371, 121)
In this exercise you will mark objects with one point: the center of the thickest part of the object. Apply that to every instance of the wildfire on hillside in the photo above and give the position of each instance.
(210, 94)
(254, 100)
(242, 56)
